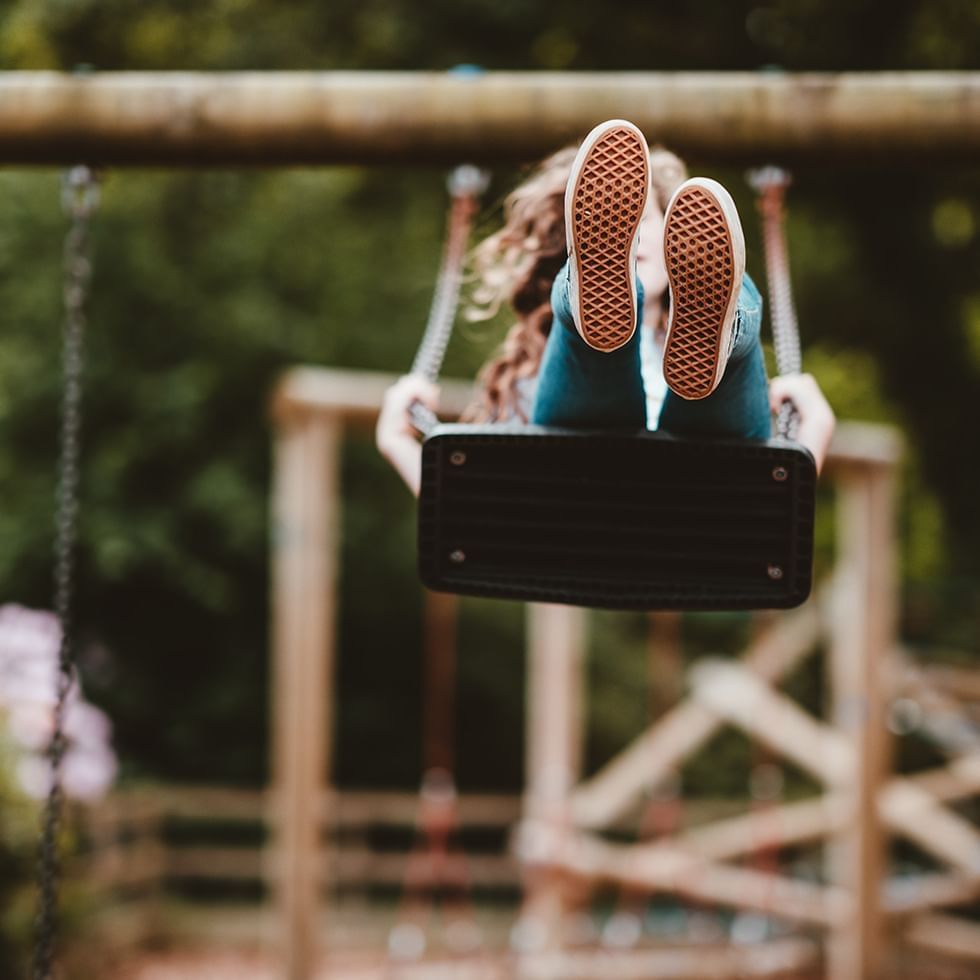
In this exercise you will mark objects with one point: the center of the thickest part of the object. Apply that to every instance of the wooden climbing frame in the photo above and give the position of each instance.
(852, 615)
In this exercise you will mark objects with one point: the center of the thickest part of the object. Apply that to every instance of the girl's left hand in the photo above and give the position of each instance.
(817, 419)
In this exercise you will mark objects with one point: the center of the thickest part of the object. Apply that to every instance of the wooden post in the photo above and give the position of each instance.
(304, 546)
(439, 715)
(556, 646)
(862, 637)
(666, 659)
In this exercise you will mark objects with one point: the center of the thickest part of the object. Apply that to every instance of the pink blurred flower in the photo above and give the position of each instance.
(29, 642)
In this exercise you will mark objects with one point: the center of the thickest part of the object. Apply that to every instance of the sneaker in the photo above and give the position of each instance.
(604, 201)
(704, 252)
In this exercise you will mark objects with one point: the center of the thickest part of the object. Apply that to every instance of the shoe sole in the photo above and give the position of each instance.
(610, 180)
(704, 253)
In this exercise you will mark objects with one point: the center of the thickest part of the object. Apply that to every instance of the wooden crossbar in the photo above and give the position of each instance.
(669, 869)
(611, 792)
(284, 118)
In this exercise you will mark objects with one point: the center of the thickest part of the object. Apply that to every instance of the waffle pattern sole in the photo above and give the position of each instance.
(608, 199)
(700, 260)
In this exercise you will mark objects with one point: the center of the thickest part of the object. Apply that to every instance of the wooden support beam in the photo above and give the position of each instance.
(304, 546)
(797, 823)
(960, 683)
(282, 118)
(667, 868)
(439, 640)
(911, 810)
(353, 397)
(944, 720)
(956, 780)
(946, 935)
(909, 805)
(909, 895)
(786, 957)
(666, 661)
(612, 791)
(776, 958)
(555, 655)
(862, 638)
(735, 694)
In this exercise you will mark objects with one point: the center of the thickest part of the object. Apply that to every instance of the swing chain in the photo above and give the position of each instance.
(79, 199)
(466, 184)
(770, 183)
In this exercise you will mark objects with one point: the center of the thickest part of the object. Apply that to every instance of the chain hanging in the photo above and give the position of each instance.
(466, 184)
(770, 184)
(79, 198)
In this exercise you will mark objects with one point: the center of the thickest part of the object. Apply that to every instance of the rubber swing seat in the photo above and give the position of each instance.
(625, 520)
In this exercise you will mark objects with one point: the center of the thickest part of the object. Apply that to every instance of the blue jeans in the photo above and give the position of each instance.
(579, 387)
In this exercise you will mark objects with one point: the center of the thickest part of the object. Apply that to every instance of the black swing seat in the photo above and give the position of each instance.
(616, 520)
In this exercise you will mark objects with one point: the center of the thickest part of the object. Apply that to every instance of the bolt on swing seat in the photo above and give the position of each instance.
(619, 520)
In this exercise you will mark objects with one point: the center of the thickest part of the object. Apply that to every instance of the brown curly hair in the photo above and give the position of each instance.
(519, 263)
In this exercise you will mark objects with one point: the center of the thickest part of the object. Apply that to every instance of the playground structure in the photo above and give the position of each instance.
(844, 921)
(853, 612)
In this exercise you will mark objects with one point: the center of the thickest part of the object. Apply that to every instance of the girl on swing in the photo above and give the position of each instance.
(596, 244)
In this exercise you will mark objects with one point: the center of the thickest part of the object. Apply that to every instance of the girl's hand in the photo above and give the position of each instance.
(817, 419)
(395, 435)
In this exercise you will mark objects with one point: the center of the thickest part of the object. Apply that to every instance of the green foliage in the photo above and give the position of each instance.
(19, 820)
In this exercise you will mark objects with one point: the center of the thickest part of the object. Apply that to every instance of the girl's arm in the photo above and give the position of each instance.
(395, 435)
(816, 416)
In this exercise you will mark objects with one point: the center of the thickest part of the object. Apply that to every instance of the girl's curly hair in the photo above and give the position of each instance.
(519, 263)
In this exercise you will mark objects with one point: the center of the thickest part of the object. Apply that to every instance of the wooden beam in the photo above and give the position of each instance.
(909, 805)
(739, 697)
(775, 958)
(555, 654)
(354, 398)
(611, 792)
(440, 631)
(911, 810)
(304, 573)
(863, 444)
(946, 935)
(911, 894)
(797, 823)
(668, 869)
(350, 808)
(961, 683)
(944, 720)
(862, 638)
(283, 118)
(786, 957)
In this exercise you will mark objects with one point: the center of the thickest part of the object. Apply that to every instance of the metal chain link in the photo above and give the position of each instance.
(79, 198)
(770, 184)
(466, 184)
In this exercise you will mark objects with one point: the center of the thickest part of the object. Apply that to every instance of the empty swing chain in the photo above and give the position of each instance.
(466, 184)
(79, 199)
(770, 184)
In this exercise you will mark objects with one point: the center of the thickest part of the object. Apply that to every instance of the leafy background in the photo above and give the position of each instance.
(208, 284)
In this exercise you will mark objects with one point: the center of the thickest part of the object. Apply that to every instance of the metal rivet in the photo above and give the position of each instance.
(775, 572)
(457, 557)
(457, 458)
(780, 473)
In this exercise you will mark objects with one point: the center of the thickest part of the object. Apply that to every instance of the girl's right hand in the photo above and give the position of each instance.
(395, 435)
